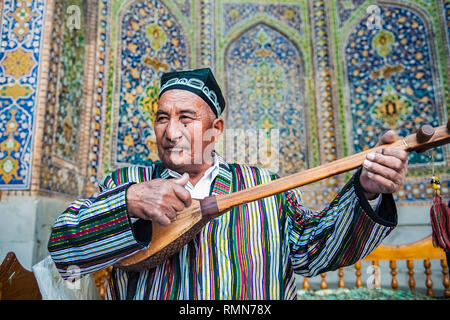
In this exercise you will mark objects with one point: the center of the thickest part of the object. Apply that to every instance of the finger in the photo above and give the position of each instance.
(163, 220)
(155, 211)
(182, 194)
(138, 213)
(385, 185)
(386, 172)
(182, 180)
(163, 216)
(385, 160)
(177, 205)
(395, 152)
(171, 213)
(387, 137)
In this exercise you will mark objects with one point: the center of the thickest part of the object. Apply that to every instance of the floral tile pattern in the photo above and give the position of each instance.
(234, 13)
(390, 78)
(151, 42)
(21, 36)
(264, 78)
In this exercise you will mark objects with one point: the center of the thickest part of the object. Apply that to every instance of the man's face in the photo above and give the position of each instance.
(183, 127)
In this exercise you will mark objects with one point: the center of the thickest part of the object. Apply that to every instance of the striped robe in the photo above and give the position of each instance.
(250, 252)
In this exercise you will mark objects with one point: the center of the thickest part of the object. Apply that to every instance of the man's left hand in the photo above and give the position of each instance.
(384, 171)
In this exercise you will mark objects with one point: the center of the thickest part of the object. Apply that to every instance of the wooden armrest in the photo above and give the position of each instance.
(17, 283)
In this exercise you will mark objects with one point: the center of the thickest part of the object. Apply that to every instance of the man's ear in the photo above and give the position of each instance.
(218, 124)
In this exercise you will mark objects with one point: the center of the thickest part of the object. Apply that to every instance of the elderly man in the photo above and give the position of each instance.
(250, 252)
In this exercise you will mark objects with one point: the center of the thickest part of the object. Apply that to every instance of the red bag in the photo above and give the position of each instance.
(440, 223)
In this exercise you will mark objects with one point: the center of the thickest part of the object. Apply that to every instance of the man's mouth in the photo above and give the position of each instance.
(175, 149)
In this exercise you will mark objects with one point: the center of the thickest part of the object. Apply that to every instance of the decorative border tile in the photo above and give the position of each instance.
(21, 39)
(323, 82)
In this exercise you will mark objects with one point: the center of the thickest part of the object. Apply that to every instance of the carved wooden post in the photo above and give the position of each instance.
(358, 274)
(393, 266)
(411, 280)
(341, 283)
(428, 281)
(445, 278)
(305, 283)
(323, 282)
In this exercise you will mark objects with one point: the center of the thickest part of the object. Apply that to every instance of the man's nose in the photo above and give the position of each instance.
(173, 132)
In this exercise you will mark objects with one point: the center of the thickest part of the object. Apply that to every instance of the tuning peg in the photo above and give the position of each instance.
(424, 133)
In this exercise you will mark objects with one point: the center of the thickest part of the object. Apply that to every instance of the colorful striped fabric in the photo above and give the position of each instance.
(250, 252)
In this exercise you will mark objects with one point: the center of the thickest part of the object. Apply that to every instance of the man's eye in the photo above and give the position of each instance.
(186, 118)
(161, 118)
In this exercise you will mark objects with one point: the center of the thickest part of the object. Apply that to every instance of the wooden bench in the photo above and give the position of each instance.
(421, 250)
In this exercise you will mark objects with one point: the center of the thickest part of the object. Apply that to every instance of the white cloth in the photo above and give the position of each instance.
(53, 287)
(375, 203)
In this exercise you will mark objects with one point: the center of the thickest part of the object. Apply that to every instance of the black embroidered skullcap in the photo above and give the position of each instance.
(199, 81)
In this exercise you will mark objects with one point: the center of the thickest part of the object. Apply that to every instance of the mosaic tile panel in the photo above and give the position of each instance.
(21, 35)
(391, 78)
(122, 125)
(70, 100)
(62, 168)
(264, 88)
(235, 13)
(48, 179)
(151, 42)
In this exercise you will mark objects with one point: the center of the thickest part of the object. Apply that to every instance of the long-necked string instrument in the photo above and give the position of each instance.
(167, 240)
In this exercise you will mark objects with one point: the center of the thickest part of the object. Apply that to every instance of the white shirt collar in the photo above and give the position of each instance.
(203, 186)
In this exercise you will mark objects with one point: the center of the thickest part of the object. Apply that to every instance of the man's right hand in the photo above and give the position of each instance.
(158, 200)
